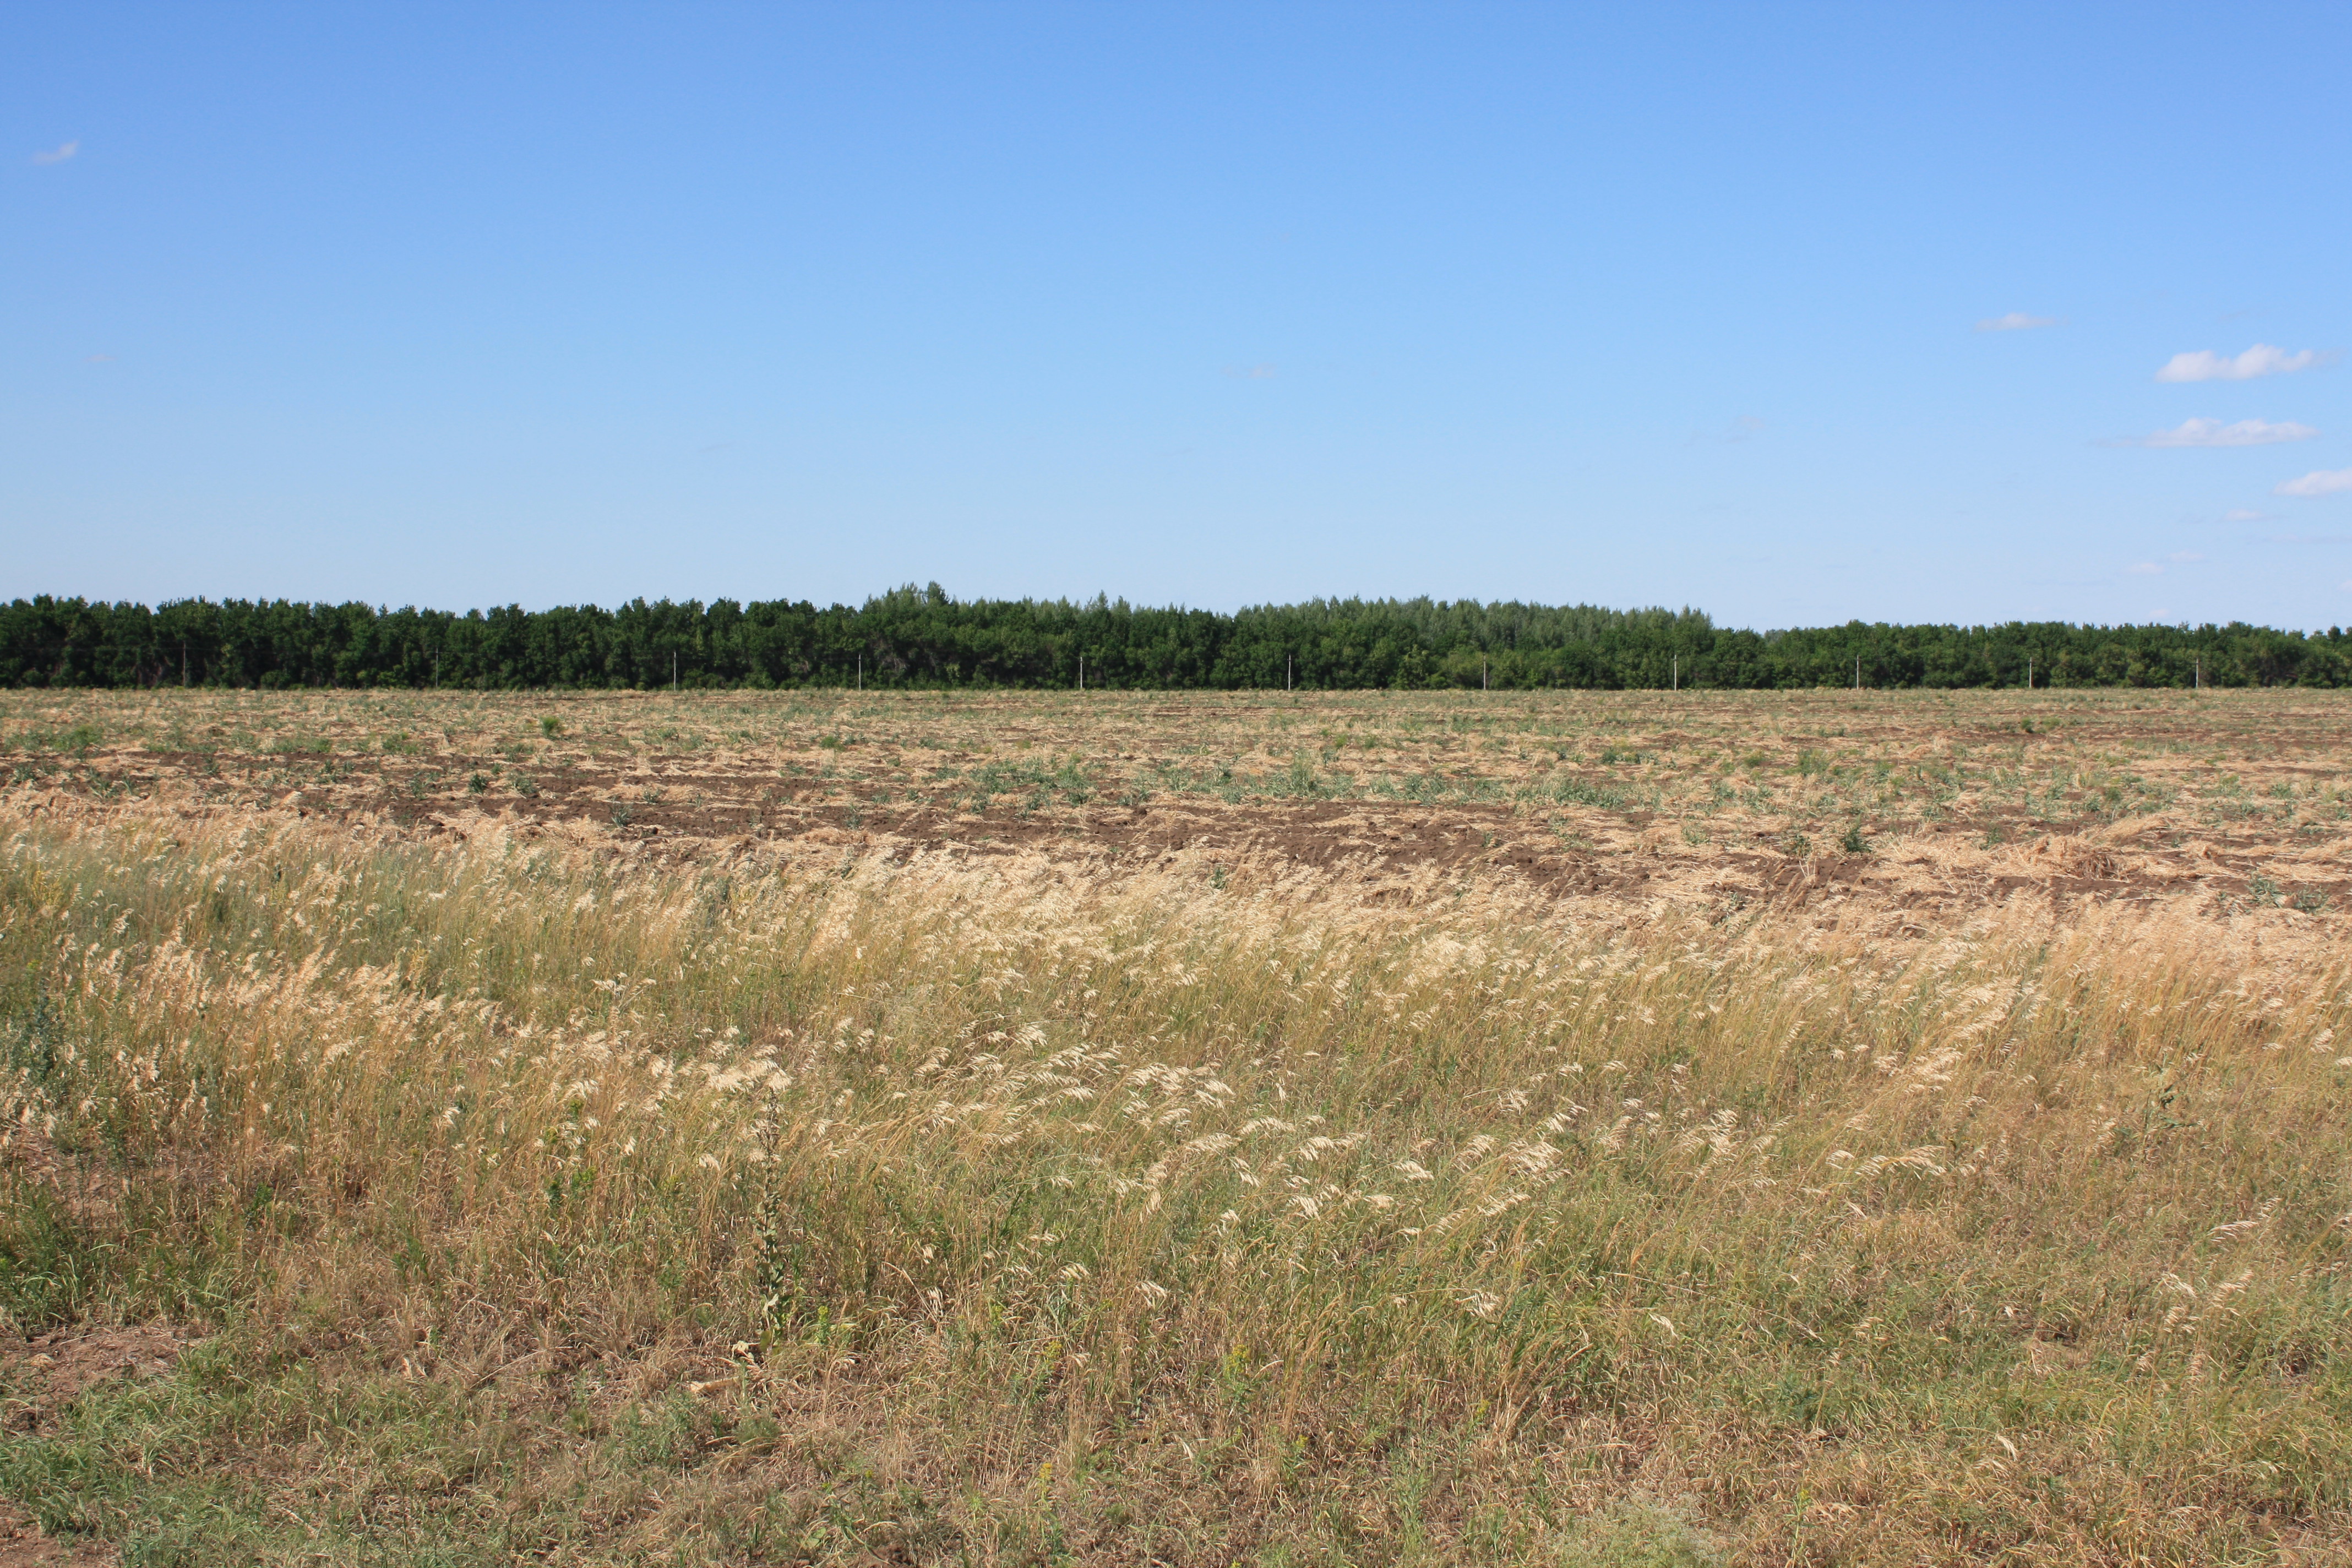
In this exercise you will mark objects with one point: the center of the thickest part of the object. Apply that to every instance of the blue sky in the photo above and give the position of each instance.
(1206, 304)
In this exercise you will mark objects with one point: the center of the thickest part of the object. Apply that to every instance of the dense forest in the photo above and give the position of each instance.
(922, 637)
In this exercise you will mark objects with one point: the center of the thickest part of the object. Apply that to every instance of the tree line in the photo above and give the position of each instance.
(921, 637)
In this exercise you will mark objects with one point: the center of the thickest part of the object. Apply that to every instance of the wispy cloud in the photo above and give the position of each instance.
(2246, 514)
(2015, 321)
(58, 154)
(1745, 428)
(2318, 482)
(2144, 569)
(2213, 433)
(2263, 359)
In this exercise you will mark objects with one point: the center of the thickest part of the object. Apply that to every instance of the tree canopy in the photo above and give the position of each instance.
(923, 637)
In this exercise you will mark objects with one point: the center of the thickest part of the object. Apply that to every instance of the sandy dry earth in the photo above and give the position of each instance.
(1592, 862)
(1885, 813)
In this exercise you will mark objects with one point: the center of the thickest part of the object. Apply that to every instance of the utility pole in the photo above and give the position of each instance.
(1286, 672)
(2029, 672)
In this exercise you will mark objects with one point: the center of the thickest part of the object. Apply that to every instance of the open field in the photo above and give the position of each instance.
(1857, 807)
(1575, 1129)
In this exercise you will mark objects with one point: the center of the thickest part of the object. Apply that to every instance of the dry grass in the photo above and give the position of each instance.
(545, 1199)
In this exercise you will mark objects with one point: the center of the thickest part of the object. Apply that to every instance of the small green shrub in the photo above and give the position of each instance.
(1576, 792)
(78, 739)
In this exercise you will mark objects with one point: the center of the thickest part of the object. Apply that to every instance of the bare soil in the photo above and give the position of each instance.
(48, 1372)
(24, 1544)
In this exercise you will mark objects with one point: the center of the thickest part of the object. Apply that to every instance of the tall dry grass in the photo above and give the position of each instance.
(1124, 1218)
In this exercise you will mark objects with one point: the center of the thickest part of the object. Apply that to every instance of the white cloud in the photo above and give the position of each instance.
(2318, 482)
(2144, 569)
(2261, 360)
(2015, 321)
(2213, 433)
(2185, 556)
(2245, 514)
(58, 154)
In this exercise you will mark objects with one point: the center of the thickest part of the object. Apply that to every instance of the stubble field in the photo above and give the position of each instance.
(1574, 1128)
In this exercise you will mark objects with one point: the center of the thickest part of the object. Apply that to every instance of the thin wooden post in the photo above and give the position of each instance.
(1678, 677)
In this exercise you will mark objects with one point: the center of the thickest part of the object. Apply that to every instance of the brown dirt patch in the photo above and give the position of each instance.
(24, 1544)
(49, 1372)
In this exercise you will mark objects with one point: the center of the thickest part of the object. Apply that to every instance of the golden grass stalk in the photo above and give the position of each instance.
(2029, 1239)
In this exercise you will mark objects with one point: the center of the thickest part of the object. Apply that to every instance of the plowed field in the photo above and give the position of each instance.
(1875, 807)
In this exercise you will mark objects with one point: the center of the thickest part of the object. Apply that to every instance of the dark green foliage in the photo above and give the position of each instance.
(921, 637)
